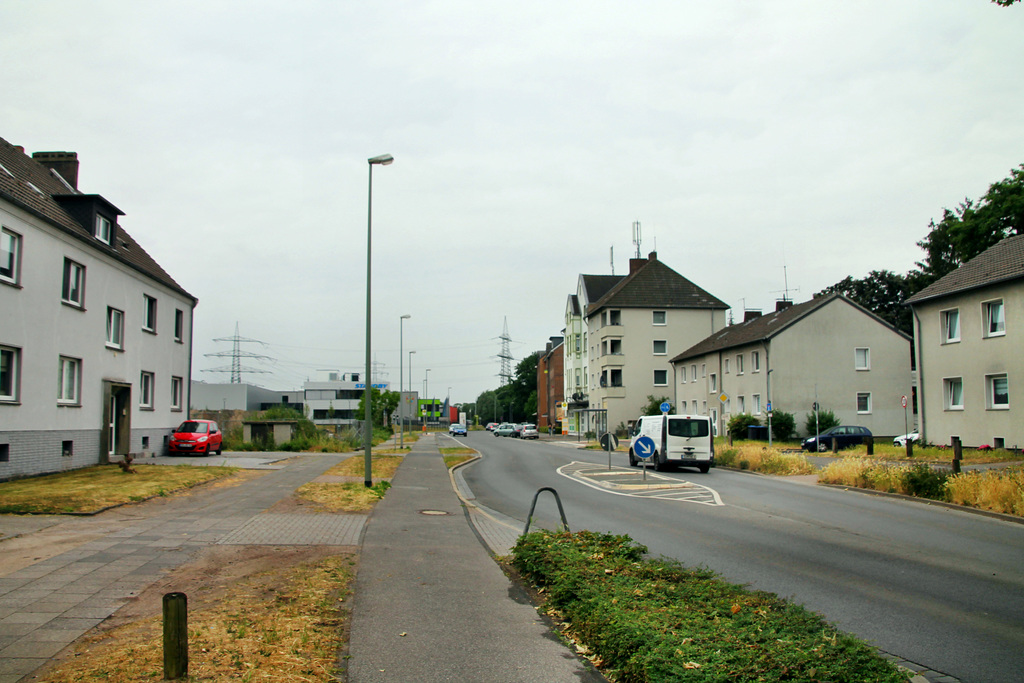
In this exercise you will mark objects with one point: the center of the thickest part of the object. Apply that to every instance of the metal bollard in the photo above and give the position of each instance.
(870, 441)
(958, 453)
(175, 636)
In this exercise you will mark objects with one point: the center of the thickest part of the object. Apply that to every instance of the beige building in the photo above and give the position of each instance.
(630, 330)
(969, 359)
(828, 349)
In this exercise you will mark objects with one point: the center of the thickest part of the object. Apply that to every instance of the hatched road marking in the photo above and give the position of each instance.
(630, 482)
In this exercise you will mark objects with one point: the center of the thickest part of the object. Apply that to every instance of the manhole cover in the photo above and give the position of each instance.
(433, 512)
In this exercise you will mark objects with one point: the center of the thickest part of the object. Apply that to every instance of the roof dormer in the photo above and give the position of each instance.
(94, 213)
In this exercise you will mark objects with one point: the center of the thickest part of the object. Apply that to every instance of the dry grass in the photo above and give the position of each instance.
(285, 625)
(94, 488)
(998, 490)
(340, 497)
(865, 474)
(381, 467)
(886, 451)
(760, 458)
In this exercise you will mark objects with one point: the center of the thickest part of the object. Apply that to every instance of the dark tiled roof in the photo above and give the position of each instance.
(1000, 262)
(767, 326)
(42, 204)
(596, 286)
(574, 304)
(655, 285)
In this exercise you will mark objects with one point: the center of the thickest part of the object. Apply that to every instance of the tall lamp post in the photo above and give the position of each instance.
(416, 405)
(382, 160)
(401, 380)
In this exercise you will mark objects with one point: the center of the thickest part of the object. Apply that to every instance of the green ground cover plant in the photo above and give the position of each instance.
(655, 621)
(92, 489)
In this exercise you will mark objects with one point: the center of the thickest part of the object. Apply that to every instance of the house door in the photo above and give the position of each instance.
(116, 419)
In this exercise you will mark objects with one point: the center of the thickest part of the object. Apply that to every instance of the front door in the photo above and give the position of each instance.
(116, 420)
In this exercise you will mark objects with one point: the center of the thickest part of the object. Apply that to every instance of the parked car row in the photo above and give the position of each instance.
(521, 430)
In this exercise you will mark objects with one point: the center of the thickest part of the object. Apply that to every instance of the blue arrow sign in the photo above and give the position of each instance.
(643, 447)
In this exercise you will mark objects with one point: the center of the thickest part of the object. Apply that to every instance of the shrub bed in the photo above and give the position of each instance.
(760, 458)
(655, 621)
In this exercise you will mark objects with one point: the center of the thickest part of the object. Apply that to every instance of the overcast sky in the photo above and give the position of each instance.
(751, 139)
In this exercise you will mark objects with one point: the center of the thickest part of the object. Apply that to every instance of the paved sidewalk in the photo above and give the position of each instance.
(47, 605)
(430, 602)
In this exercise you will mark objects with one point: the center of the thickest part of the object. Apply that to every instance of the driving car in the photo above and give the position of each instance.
(196, 437)
(457, 430)
(901, 441)
(845, 436)
(529, 431)
(504, 429)
(491, 426)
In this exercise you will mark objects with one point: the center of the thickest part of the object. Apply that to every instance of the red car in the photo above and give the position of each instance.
(198, 437)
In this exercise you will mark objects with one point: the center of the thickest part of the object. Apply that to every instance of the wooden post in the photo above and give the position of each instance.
(835, 445)
(910, 448)
(175, 636)
(958, 453)
(730, 438)
(870, 440)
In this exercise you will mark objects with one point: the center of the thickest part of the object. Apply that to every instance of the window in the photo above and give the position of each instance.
(577, 376)
(69, 381)
(660, 347)
(682, 407)
(146, 390)
(862, 359)
(739, 364)
(615, 347)
(682, 374)
(863, 402)
(756, 398)
(953, 389)
(703, 370)
(615, 377)
(755, 361)
(742, 402)
(115, 328)
(179, 325)
(579, 343)
(176, 385)
(951, 326)
(148, 313)
(998, 390)
(693, 373)
(704, 408)
(660, 378)
(714, 382)
(726, 371)
(995, 324)
(67, 449)
(659, 318)
(614, 317)
(103, 229)
(10, 256)
(73, 290)
(10, 365)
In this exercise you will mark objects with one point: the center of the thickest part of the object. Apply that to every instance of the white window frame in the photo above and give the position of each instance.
(13, 251)
(988, 319)
(682, 374)
(664, 382)
(693, 372)
(10, 374)
(866, 365)
(69, 381)
(703, 370)
(712, 383)
(682, 407)
(948, 334)
(115, 328)
(866, 396)
(177, 391)
(104, 229)
(948, 394)
(179, 325)
(74, 274)
(149, 313)
(757, 403)
(726, 370)
(664, 351)
(755, 361)
(739, 364)
(664, 318)
(990, 391)
(147, 384)
(741, 401)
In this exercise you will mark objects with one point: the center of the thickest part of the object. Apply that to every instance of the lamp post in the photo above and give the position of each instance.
(426, 393)
(382, 160)
(401, 380)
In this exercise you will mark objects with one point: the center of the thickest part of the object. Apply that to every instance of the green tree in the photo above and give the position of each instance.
(826, 420)
(382, 405)
(738, 424)
(882, 292)
(487, 406)
(653, 405)
(783, 425)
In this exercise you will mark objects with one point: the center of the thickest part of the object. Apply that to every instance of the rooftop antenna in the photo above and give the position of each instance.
(785, 280)
(636, 237)
(611, 257)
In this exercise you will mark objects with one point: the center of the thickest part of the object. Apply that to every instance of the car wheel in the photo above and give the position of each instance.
(632, 460)
(704, 467)
(822, 448)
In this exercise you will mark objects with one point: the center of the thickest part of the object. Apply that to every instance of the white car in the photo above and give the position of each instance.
(901, 440)
(529, 432)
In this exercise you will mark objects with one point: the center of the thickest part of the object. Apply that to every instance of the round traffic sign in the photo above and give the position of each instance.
(903, 401)
(609, 442)
(665, 407)
(644, 447)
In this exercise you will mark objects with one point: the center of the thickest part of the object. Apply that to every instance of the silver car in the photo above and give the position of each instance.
(529, 432)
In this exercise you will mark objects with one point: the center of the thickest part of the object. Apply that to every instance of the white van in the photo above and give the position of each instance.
(689, 441)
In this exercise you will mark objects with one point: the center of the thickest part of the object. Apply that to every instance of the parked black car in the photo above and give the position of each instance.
(845, 436)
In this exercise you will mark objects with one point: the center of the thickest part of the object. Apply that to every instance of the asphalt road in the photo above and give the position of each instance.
(940, 587)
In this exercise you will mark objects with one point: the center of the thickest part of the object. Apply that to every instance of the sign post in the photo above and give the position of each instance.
(644, 448)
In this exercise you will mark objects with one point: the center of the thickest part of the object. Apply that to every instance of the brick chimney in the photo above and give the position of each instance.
(751, 314)
(782, 304)
(636, 263)
(65, 163)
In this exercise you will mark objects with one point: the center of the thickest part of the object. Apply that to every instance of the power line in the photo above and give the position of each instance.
(505, 374)
(236, 354)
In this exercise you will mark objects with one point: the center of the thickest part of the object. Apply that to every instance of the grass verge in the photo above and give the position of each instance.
(92, 489)
(456, 455)
(997, 490)
(654, 621)
(757, 457)
(352, 496)
(282, 625)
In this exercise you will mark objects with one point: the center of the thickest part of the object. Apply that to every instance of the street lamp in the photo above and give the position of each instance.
(382, 160)
(401, 384)
(415, 405)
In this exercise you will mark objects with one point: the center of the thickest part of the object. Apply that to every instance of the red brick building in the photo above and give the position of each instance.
(550, 385)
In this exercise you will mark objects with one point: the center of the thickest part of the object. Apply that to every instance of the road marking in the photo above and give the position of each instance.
(629, 482)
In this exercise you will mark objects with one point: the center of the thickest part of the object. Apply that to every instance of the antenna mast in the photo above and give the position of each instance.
(611, 257)
(636, 237)
(505, 373)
